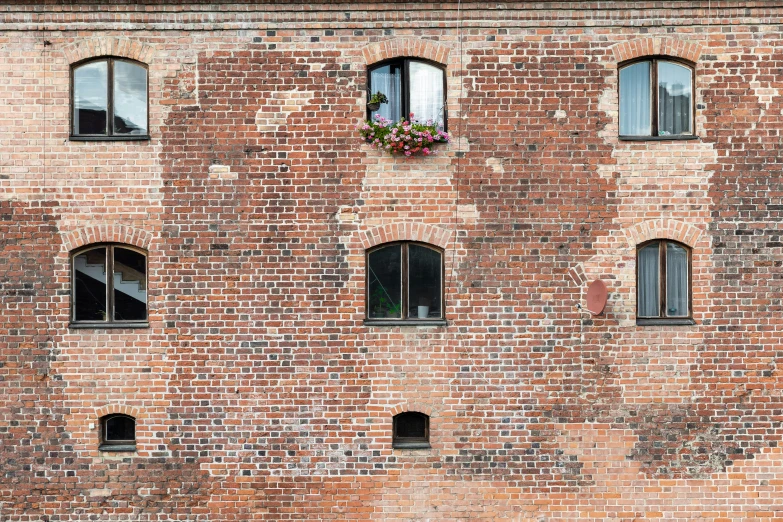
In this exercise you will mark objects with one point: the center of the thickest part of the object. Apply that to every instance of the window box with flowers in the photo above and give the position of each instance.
(404, 138)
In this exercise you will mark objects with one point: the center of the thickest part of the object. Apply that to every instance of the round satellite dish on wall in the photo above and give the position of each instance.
(596, 297)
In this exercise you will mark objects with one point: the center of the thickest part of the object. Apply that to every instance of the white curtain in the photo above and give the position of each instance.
(647, 284)
(426, 92)
(388, 80)
(676, 281)
(674, 99)
(635, 100)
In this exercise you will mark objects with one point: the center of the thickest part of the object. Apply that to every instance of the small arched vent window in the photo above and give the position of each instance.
(118, 433)
(411, 429)
(656, 99)
(109, 99)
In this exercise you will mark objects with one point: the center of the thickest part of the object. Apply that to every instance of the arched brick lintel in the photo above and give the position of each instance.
(663, 229)
(113, 409)
(406, 232)
(107, 234)
(410, 47)
(639, 47)
(108, 46)
(414, 407)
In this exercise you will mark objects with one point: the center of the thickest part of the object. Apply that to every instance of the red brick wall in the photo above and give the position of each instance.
(259, 392)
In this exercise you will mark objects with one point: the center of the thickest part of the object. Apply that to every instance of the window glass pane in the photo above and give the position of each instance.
(635, 109)
(130, 98)
(385, 283)
(424, 284)
(388, 80)
(648, 283)
(411, 425)
(89, 285)
(90, 98)
(676, 280)
(130, 285)
(674, 99)
(426, 96)
(120, 429)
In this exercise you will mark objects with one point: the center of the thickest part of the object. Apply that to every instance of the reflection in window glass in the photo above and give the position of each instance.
(411, 86)
(426, 96)
(90, 98)
(384, 283)
(674, 99)
(119, 298)
(120, 428)
(676, 281)
(130, 98)
(89, 285)
(648, 282)
(635, 110)
(424, 282)
(388, 80)
(130, 285)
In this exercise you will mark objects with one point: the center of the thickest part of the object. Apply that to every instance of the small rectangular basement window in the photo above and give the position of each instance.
(411, 430)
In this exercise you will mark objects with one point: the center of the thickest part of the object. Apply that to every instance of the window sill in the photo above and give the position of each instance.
(117, 447)
(405, 322)
(107, 326)
(658, 138)
(683, 321)
(144, 137)
(411, 445)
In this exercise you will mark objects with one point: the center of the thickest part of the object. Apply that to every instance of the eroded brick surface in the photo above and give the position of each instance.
(258, 391)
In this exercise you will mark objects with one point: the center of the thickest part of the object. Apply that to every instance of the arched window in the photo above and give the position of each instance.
(404, 282)
(663, 282)
(656, 98)
(411, 429)
(118, 433)
(411, 86)
(101, 301)
(109, 99)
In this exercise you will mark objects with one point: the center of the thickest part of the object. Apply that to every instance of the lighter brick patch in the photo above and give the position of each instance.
(221, 172)
(496, 164)
(468, 213)
(278, 108)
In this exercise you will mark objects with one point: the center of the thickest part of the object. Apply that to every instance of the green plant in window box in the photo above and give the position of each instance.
(406, 137)
(375, 101)
(383, 305)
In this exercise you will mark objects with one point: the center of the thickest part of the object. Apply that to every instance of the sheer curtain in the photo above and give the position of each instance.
(426, 92)
(674, 99)
(635, 100)
(388, 80)
(676, 280)
(647, 284)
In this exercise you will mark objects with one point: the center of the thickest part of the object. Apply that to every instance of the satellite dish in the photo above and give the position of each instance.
(596, 297)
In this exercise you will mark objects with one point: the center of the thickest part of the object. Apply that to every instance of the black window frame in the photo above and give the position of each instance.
(109, 136)
(661, 318)
(404, 319)
(107, 444)
(110, 322)
(411, 442)
(404, 64)
(653, 136)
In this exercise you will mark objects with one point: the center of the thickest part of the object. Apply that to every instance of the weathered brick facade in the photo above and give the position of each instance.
(259, 392)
